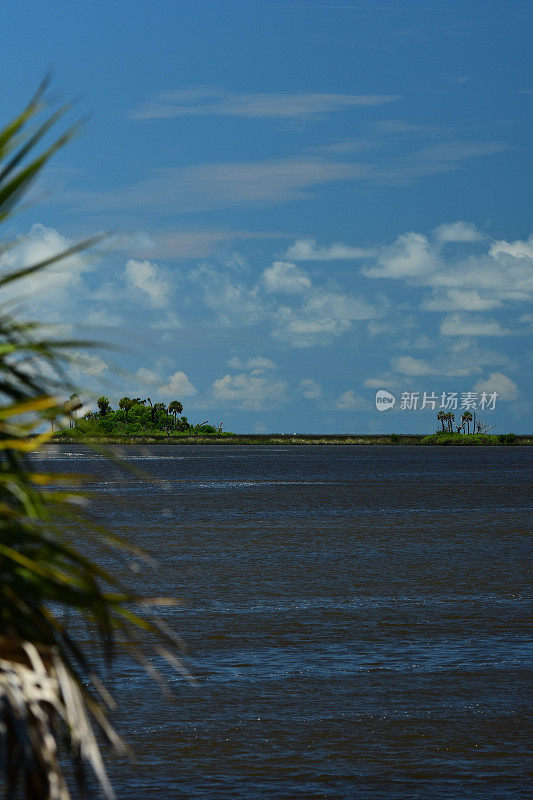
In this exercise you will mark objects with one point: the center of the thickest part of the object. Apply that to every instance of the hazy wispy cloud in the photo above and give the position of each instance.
(255, 363)
(213, 100)
(171, 190)
(187, 244)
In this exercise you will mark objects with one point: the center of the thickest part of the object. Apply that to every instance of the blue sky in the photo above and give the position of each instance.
(312, 201)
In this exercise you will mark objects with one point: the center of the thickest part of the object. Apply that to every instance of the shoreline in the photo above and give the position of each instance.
(284, 439)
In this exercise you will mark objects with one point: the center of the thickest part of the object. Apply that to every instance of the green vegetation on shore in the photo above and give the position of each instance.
(444, 438)
(134, 417)
(292, 439)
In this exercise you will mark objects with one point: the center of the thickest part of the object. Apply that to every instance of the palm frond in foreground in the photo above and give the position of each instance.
(51, 696)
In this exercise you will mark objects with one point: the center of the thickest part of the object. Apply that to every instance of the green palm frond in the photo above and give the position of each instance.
(50, 690)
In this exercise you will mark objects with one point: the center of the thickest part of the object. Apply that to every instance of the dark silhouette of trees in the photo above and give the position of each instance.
(467, 418)
(175, 408)
(103, 405)
(125, 404)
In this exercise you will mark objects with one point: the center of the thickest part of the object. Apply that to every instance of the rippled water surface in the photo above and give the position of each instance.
(356, 618)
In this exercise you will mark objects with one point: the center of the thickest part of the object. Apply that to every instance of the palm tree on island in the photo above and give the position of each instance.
(175, 408)
(467, 417)
(125, 404)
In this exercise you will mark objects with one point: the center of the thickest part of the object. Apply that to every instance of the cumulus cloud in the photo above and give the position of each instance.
(249, 391)
(458, 232)
(50, 293)
(497, 382)
(178, 385)
(455, 367)
(310, 388)
(409, 257)
(379, 383)
(91, 365)
(457, 358)
(460, 300)
(308, 250)
(285, 277)
(516, 250)
(233, 302)
(146, 377)
(465, 325)
(309, 314)
(407, 365)
(349, 401)
(322, 316)
(498, 274)
(149, 280)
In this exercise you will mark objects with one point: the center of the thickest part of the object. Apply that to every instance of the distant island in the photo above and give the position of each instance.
(140, 421)
(133, 417)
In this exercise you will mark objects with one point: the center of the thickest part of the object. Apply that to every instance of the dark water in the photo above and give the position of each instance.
(356, 618)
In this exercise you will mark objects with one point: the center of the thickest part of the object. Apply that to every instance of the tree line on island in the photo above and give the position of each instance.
(451, 433)
(134, 416)
(447, 420)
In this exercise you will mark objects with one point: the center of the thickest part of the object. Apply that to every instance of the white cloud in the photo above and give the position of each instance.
(497, 382)
(310, 315)
(249, 391)
(150, 280)
(233, 302)
(212, 100)
(480, 281)
(177, 386)
(202, 187)
(407, 365)
(459, 358)
(463, 325)
(285, 277)
(516, 250)
(256, 363)
(460, 300)
(458, 232)
(308, 250)
(50, 293)
(310, 388)
(91, 365)
(409, 257)
(146, 376)
(379, 383)
(349, 401)
(322, 316)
